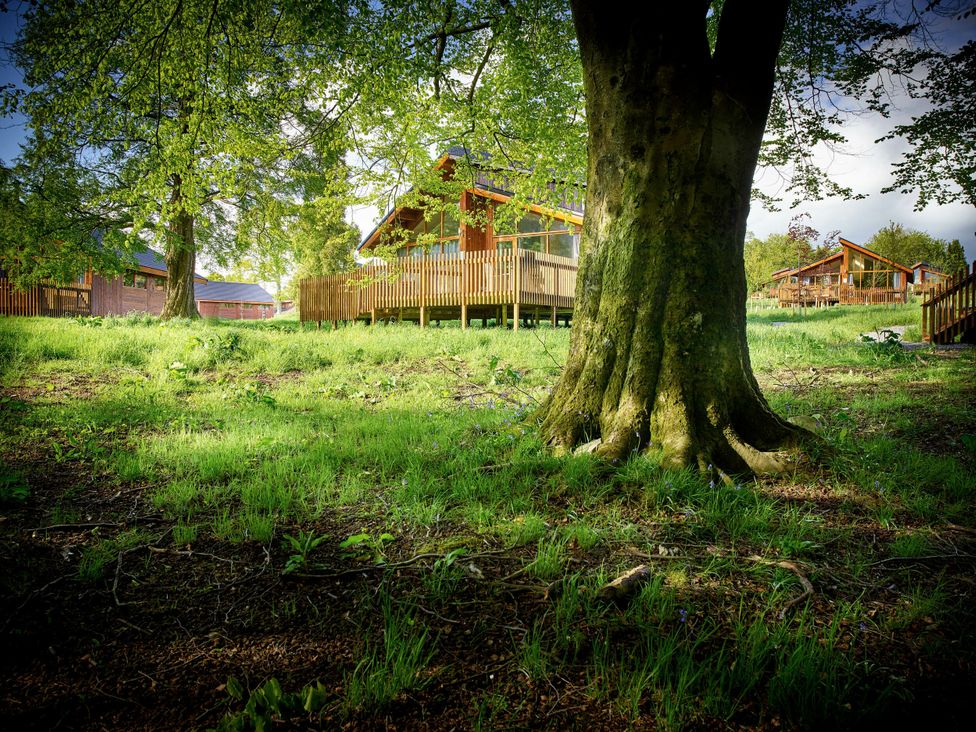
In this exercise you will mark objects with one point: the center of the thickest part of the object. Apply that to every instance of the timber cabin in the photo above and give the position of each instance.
(853, 276)
(926, 277)
(235, 300)
(140, 290)
(460, 271)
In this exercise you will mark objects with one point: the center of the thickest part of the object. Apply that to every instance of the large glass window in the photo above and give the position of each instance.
(452, 227)
(532, 243)
(530, 224)
(562, 245)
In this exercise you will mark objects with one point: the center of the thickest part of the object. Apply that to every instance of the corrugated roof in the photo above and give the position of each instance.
(231, 292)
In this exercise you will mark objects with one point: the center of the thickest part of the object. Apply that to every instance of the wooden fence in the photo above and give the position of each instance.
(443, 281)
(49, 300)
(791, 294)
(950, 309)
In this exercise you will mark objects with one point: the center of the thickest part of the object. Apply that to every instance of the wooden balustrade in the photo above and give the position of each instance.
(792, 294)
(950, 310)
(456, 280)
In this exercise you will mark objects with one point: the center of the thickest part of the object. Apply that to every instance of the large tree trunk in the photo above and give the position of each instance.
(658, 355)
(181, 258)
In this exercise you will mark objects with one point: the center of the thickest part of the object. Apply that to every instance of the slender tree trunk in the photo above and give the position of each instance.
(181, 257)
(658, 355)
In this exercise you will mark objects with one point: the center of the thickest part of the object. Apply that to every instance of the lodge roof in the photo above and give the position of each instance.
(232, 292)
(493, 184)
(865, 250)
(150, 259)
(927, 265)
(789, 272)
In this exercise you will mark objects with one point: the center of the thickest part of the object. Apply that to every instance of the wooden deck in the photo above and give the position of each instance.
(817, 295)
(461, 286)
(49, 300)
(949, 311)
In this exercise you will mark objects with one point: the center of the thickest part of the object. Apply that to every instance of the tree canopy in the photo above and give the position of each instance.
(181, 116)
(907, 246)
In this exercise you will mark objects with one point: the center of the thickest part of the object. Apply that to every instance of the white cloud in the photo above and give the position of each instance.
(866, 168)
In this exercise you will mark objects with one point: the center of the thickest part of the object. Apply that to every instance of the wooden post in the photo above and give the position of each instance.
(372, 316)
(517, 283)
(504, 316)
(423, 290)
(464, 316)
(554, 318)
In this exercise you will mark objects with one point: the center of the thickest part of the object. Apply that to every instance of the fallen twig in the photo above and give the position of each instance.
(97, 524)
(807, 586)
(384, 566)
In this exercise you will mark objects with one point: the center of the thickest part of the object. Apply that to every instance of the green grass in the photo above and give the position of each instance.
(245, 432)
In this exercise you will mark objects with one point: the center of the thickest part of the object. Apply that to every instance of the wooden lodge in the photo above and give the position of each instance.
(139, 290)
(926, 277)
(853, 276)
(446, 269)
(235, 300)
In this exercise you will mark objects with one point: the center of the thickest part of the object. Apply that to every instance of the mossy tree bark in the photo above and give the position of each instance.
(658, 354)
(181, 260)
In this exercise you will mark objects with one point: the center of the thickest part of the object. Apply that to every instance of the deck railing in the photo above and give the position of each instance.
(442, 281)
(50, 300)
(950, 309)
(793, 294)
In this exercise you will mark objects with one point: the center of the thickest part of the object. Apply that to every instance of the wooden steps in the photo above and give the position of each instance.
(949, 311)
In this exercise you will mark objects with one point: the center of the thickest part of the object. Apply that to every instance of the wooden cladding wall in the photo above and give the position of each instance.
(49, 300)
(235, 310)
(111, 297)
(449, 280)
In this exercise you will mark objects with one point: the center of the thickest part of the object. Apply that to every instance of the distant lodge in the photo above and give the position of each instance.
(853, 276)
(141, 290)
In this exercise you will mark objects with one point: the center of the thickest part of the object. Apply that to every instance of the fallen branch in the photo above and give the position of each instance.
(97, 524)
(807, 586)
(927, 557)
(385, 565)
(625, 585)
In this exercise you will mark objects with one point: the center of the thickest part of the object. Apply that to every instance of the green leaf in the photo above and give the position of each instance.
(235, 689)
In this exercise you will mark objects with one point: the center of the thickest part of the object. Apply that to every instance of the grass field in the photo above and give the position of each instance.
(213, 524)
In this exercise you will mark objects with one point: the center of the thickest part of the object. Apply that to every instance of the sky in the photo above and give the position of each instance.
(864, 166)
